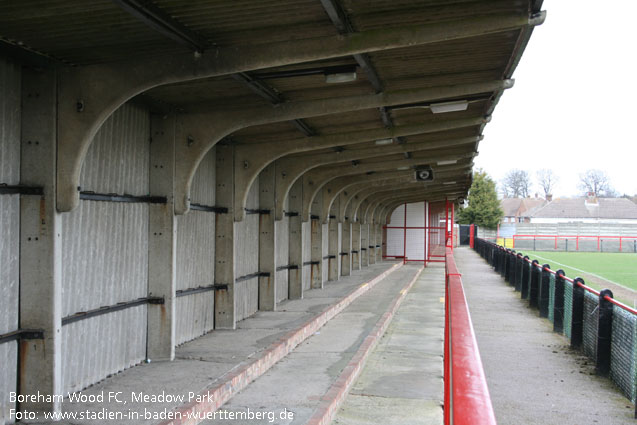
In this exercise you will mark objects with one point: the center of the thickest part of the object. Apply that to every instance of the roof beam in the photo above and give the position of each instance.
(272, 96)
(100, 89)
(163, 23)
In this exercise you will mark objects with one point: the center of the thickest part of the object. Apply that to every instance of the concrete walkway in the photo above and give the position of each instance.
(217, 365)
(402, 382)
(533, 375)
(298, 383)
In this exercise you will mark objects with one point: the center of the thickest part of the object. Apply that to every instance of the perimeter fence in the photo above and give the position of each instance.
(603, 328)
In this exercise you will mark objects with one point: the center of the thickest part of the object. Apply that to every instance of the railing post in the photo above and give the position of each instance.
(558, 305)
(519, 269)
(525, 278)
(511, 271)
(604, 332)
(534, 290)
(544, 291)
(503, 264)
(577, 321)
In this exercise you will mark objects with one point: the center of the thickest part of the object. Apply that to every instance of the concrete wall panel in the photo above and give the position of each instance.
(203, 182)
(247, 258)
(118, 159)
(105, 254)
(326, 246)
(307, 255)
(196, 257)
(282, 253)
(88, 359)
(195, 316)
(9, 227)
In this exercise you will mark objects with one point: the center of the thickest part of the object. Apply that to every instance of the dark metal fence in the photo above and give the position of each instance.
(604, 329)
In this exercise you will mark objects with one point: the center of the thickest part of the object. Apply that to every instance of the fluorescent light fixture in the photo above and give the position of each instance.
(448, 162)
(384, 141)
(449, 183)
(441, 108)
(340, 77)
(403, 168)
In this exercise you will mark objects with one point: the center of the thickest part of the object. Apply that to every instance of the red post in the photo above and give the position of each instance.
(577, 243)
(598, 244)
(424, 235)
(620, 244)
(405, 235)
(556, 242)
(472, 231)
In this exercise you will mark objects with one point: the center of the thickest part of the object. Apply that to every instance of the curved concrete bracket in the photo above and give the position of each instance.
(88, 95)
(252, 159)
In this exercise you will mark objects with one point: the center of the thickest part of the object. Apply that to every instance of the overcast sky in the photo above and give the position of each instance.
(574, 103)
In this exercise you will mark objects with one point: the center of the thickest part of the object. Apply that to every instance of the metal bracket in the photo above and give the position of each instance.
(111, 308)
(209, 208)
(6, 189)
(113, 197)
(250, 211)
(22, 334)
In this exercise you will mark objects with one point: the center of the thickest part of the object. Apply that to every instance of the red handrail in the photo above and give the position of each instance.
(467, 400)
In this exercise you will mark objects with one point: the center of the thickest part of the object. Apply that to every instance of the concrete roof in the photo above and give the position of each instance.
(618, 208)
(223, 59)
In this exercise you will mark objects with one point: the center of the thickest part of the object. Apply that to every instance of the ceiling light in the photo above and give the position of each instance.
(448, 162)
(403, 168)
(340, 77)
(449, 183)
(441, 108)
(384, 141)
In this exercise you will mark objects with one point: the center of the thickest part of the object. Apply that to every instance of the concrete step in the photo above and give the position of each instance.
(210, 370)
(308, 384)
(402, 381)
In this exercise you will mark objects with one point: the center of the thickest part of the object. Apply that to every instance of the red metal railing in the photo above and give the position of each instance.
(576, 237)
(467, 400)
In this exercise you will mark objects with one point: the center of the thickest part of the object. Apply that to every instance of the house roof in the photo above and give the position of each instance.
(617, 208)
(515, 207)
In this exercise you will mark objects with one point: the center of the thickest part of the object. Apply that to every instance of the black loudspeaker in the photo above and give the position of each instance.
(424, 173)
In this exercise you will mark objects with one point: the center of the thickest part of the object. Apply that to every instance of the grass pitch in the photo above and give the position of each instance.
(618, 268)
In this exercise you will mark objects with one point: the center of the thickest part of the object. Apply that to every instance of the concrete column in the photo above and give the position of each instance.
(225, 317)
(371, 238)
(317, 254)
(267, 240)
(162, 240)
(333, 249)
(356, 245)
(296, 245)
(346, 248)
(334, 246)
(317, 242)
(364, 232)
(40, 245)
(379, 242)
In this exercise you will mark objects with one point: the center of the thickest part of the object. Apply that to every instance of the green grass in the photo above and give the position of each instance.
(619, 268)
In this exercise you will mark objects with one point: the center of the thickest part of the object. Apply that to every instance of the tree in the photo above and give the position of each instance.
(484, 206)
(596, 182)
(547, 180)
(516, 184)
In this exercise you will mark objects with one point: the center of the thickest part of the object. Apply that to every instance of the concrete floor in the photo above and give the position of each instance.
(201, 363)
(402, 382)
(298, 382)
(532, 374)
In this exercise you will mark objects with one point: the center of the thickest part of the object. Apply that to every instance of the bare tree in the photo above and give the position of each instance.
(596, 182)
(516, 184)
(547, 180)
